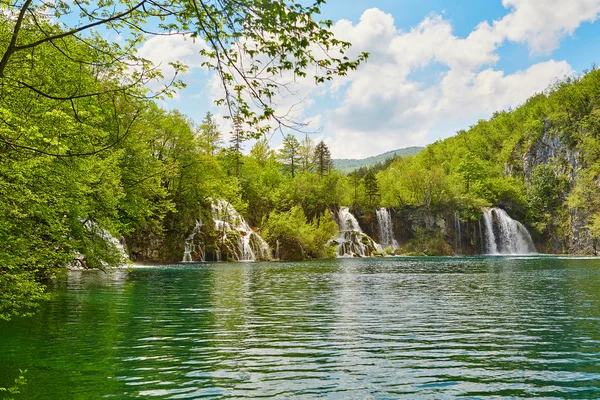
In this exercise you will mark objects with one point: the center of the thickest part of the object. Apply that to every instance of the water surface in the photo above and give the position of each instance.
(359, 328)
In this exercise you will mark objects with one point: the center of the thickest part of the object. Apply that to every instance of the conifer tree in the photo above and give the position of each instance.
(323, 162)
(210, 137)
(237, 138)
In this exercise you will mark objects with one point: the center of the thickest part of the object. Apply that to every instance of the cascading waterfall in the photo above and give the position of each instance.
(386, 231)
(505, 235)
(490, 239)
(105, 235)
(352, 242)
(190, 246)
(235, 236)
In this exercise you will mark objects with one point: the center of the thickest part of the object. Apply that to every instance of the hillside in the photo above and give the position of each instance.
(540, 163)
(349, 165)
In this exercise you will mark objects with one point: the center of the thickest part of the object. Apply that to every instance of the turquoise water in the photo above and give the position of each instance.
(424, 328)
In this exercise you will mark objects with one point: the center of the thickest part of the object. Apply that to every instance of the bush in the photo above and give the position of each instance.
(299, 239)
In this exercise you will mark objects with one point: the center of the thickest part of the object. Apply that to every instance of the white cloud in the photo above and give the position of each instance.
(162, 50)
(541, 24)
(383, 107)
(384, 104)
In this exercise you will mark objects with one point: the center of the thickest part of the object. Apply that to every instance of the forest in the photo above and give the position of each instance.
(86, 151)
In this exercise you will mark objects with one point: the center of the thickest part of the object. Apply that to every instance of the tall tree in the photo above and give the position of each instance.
(261, 151)
(323, 162)
(289, 154)
(210, 137)
(306, 153)
(355, 179)
(371, 186)
(237, 139)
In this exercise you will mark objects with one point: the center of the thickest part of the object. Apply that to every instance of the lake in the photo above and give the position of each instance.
(427, 328)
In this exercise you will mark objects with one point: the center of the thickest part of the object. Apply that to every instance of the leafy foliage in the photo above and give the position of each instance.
(298, 238)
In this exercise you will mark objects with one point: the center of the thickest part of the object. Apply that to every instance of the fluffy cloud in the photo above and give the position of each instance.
(541, 24)
(382, 106)
(418, 84)
(162, 50)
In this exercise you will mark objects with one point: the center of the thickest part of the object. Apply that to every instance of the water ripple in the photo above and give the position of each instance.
(405, 327)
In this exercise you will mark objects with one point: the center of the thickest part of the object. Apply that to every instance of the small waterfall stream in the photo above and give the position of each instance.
(190, 246)
(235, 236)
(504, 235)
(93, 227)
(458, 231)
(386, 229)
(352, 242)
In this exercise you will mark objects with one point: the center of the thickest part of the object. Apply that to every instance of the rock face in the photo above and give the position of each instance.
(550, 148)
(418, 230)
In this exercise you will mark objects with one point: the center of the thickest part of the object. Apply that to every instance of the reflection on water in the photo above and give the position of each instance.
(381, 328)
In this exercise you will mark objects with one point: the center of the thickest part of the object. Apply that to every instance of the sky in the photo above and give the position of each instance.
(435, 67)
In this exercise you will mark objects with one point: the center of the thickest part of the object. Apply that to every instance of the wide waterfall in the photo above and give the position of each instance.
(352, 242)
(234, 235)
(386, 231)
(504, 235)
(190, 246)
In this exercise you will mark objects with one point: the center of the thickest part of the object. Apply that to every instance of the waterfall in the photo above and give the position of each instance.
(352, 242)
(105, 235)
(457, 230)
(190, 246)
(386, 231)
(235, 236)
(505, 235)
(491, 246)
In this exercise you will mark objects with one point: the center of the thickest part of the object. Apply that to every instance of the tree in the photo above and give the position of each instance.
(210, 137)
(261, 151)
(237, 138)
(289, 154)
(355, 180)
(306, 153)
(371, 186)
(322, 157)
(470, 170)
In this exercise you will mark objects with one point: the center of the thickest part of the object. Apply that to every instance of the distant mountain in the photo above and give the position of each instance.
(349, 165)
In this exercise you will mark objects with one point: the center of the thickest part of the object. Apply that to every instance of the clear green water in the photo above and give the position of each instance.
(382, 328)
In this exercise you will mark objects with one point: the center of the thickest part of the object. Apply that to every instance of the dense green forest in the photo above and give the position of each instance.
(85, 151)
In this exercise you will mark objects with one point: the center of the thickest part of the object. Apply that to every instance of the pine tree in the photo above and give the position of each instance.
(289, 154)
(323, 162)
(236, 143)
(371, 186)
(210, 137)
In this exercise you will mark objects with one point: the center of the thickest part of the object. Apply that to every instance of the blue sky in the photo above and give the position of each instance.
(435, 67)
